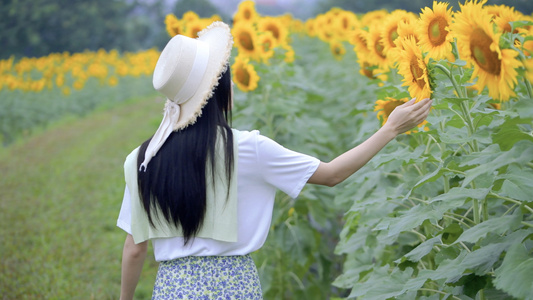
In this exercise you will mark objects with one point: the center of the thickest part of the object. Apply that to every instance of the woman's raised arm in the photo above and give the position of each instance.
(402, 119)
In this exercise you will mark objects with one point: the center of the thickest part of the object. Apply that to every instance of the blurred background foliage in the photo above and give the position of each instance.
(34, 28)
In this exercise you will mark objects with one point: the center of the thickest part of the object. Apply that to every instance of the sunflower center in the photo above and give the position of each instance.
(417, 72)
(437, 32)
(379, 49)
(247, 14)
(243, 76)
(507, 28)
(390, 106)
(368, 71)
(267, 44)
(275, 31)
(345, 23)
(485, 58)
(245, 40)
(393, 35)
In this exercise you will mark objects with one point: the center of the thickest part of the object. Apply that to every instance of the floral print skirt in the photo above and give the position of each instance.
(208, 277)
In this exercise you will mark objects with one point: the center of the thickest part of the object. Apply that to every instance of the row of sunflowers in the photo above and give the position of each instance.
(496, 42)
(68, 72)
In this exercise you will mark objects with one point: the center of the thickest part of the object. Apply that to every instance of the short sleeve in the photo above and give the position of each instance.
(124, 217)
(283, 168)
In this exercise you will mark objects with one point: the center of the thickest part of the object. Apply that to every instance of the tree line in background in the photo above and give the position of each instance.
(34, 28)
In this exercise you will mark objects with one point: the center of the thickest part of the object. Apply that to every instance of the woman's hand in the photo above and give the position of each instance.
(408, 115)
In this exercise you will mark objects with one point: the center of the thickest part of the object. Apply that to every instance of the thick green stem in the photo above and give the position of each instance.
(475, 207)
(485, 209)
(526, 82)
(450, 76)
(470, 125)
(528, 88)
(527, 224)
(446, 184)
(482, 294)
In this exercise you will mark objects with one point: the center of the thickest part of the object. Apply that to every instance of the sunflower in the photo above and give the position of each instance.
(389, 29)
(172, 25)
(385, 108)
(244, 74)
(274, 26)
(310, 27)
(195, 26)
(359, 39)
(505, 15)
(371, 71)
(372, 17)
(406, 29)
(245, 37)
(413, 69)
(246, 13)
(376, 48)
(493, 10)
(265, 45)
(346, 22)
(433, 31)
(337, 48)
(325, 29)
(478, 43)
(190, 16)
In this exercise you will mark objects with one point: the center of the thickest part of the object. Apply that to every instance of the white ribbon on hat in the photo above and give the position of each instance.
(172, 106)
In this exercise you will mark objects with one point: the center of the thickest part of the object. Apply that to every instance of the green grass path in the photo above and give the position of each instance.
(60, 194)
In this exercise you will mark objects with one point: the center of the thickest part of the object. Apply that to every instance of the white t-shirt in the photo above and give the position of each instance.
(263, 167)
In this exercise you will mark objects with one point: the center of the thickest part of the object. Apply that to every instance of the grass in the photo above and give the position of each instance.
(60, 195)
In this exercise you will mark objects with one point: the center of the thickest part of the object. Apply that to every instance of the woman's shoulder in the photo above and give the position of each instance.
(246, 135)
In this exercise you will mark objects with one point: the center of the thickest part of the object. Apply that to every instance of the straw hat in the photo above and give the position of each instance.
(187, 72)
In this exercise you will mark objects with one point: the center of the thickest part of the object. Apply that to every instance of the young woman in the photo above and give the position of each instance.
(202, 192)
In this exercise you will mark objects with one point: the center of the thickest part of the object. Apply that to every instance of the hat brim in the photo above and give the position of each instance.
(218, 37)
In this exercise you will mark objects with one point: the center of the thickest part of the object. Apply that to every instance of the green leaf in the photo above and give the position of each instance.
(509, 133)
(411, 219)
(430, 177)
(451, 233)
(517, 183)
(421, 250)
(456, 100)
(498, 225)
(472, 284)
(516, 24)
(522, 152)
(382, 284)
(515, 274)
(460, 194)
(483, 259)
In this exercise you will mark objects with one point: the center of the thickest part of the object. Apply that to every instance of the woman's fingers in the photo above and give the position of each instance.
(422, 103)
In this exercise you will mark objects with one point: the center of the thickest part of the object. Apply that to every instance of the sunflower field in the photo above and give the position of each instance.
(444, 211)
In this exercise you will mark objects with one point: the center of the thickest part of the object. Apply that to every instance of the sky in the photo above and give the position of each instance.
(298, 8)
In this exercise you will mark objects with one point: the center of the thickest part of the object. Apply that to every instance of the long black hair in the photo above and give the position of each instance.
(175, 179)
